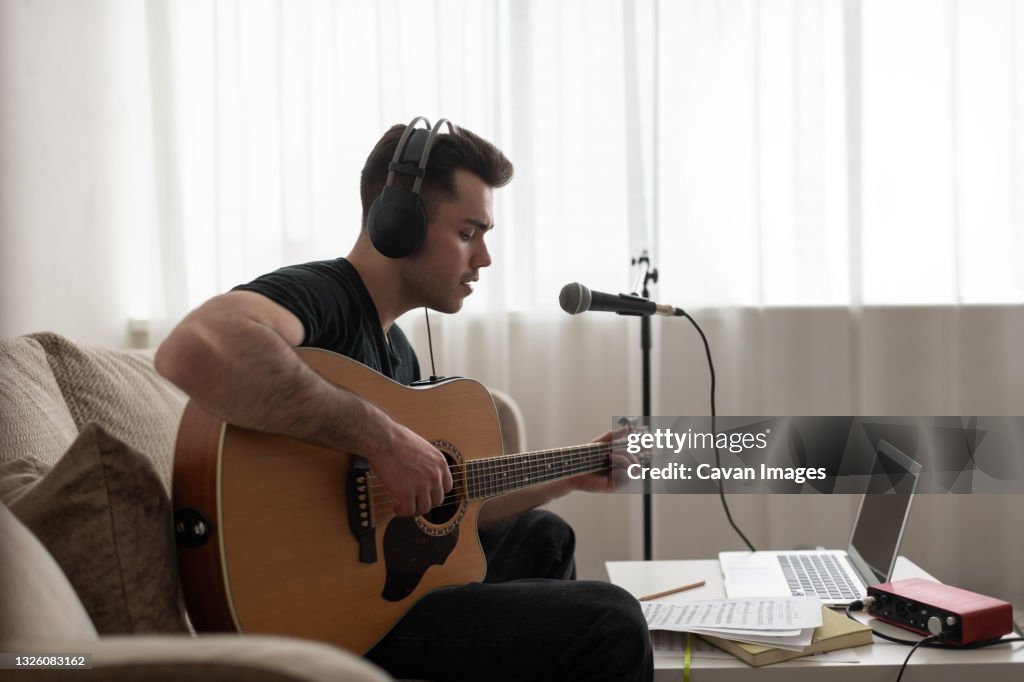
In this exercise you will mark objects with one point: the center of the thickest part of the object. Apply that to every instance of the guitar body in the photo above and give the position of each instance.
(273, 522)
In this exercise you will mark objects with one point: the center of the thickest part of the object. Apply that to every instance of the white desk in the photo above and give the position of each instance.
(879, 661)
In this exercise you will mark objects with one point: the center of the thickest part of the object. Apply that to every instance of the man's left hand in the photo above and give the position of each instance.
(607, 480)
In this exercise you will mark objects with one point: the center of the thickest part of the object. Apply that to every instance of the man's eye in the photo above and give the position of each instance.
(466, 236)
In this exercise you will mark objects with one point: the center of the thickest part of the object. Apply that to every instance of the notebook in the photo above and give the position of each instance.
(837, 577)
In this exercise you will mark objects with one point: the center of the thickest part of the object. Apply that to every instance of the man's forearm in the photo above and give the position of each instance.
(248, 375)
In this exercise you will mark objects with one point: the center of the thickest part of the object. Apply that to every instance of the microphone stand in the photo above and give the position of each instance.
(649, 276)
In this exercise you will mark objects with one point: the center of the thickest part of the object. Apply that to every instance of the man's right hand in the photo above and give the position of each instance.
(413, 470)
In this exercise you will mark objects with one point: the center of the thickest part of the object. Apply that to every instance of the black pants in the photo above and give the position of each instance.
(529, 620)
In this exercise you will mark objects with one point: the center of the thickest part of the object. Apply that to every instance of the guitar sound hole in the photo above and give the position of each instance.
(444, 512)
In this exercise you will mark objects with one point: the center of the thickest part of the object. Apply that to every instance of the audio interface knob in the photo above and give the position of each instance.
(935, 625)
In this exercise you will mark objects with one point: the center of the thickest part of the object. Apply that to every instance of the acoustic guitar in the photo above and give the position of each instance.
(279, 536)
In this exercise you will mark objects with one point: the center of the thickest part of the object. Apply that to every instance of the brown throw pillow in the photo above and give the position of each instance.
(103, 514)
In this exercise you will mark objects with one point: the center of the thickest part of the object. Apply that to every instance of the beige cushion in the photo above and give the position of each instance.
(210, 658)
(36, 422)
(104, 516)
(36, 599)
(121, 391)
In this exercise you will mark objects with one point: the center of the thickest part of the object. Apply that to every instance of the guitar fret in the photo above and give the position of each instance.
(508, 475)
(504, 468)
(494, 476)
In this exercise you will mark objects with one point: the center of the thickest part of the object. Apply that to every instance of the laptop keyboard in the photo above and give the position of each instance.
(817, 574)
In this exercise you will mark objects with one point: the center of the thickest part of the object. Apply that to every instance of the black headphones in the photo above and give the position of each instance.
(397, 221)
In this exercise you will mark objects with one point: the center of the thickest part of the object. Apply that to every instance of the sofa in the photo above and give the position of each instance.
(87, 552)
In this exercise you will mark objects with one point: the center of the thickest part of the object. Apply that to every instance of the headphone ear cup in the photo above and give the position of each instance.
(397, 222)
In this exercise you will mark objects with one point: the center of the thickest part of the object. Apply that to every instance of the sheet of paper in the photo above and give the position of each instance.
(749, 631)
(781, 615)
(673, 645)
(797, 642)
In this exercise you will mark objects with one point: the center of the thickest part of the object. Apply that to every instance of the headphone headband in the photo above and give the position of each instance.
(418, 170)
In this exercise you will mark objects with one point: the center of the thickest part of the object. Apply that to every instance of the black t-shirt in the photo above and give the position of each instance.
(337, 313)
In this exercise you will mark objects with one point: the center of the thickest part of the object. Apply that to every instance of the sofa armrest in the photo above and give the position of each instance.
(510, 418)
(209, 658)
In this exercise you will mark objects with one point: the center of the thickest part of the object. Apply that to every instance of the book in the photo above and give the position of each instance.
(836, 632)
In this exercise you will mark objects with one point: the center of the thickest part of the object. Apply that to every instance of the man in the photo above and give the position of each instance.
(233, 355)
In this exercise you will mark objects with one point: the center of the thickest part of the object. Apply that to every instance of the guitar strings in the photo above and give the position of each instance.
(481, 489)
(522, 475)
(384, 507)
(524, 479)
(552, 455)
(490, 488)
(581, 459)
(534, 464)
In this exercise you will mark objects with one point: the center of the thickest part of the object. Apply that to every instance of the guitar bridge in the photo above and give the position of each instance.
(360, 510)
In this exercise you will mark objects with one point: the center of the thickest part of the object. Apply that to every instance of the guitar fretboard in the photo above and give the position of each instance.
(499, 475)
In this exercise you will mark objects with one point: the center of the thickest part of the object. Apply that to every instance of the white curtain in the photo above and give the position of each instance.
(833, 187)
(814, 152)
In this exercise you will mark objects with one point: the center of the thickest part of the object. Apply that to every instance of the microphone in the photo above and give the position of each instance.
(576, 298)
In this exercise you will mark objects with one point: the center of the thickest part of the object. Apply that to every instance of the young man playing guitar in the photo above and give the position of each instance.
(235, 357)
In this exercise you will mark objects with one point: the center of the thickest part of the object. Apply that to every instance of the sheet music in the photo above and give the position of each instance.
(779, 617)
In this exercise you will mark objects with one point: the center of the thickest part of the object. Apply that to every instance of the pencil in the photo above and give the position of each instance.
(684, 588)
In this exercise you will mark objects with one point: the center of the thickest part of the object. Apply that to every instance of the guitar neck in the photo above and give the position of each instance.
(495, 476)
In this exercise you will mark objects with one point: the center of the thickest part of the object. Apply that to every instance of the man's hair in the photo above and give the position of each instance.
(450, 151)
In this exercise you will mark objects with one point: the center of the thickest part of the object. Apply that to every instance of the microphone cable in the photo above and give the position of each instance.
(576, 298)
(718, 463)
(430, 345)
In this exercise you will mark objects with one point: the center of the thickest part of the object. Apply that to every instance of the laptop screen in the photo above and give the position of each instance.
(884, 511)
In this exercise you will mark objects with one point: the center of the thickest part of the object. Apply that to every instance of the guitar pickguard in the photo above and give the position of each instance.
(409, 553)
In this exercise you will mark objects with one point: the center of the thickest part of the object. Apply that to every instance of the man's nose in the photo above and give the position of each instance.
(482, 256)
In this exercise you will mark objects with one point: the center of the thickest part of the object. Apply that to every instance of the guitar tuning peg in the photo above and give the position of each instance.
(630, 423)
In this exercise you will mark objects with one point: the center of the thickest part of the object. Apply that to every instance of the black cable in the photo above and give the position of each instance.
(930, 642)
(718, 463)
(430, 344)
(923, 642)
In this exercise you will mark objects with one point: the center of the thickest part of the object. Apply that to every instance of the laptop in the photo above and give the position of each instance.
(837, 577)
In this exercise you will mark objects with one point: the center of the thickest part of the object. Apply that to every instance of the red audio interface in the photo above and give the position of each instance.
(930, 608)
